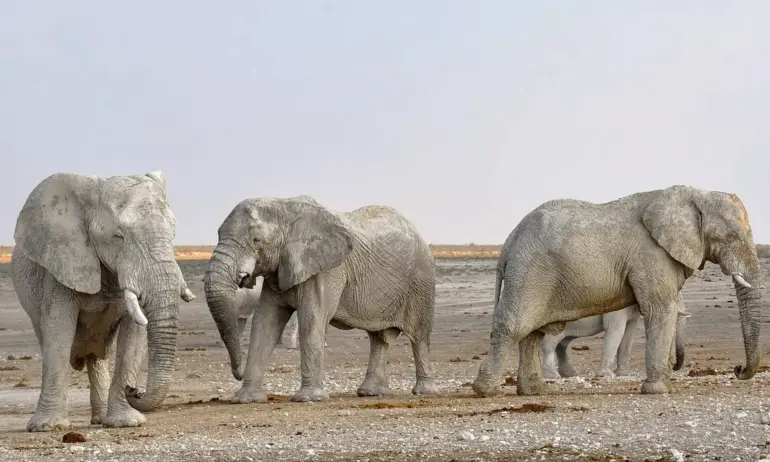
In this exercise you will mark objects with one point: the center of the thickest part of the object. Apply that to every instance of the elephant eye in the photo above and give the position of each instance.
(118, 237)
(257, 240)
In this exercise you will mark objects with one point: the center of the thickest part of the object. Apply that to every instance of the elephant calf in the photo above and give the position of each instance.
(367, 269)
(247, 301)
(620, 328)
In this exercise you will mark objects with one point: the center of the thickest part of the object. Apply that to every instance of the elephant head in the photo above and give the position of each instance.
(285, 240)
(83, 228)
(695, 226)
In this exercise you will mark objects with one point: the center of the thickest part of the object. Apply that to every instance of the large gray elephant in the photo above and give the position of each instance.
(367, 269)
(568, 259)
(94, 259)
(619, 329)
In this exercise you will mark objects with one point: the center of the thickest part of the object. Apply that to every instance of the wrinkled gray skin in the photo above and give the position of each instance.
(620, 328)
(366, 269)
(247, 301)
(94, 262)
(569, 259)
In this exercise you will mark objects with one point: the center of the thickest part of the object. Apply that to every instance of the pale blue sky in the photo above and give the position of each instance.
(464, 115)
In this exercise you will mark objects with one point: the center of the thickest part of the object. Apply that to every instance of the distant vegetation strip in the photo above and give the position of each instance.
(203, 252)
(440, 251)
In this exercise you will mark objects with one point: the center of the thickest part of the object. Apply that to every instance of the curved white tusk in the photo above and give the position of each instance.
(684, 313)
(242, 275)
(739, 279)
(133, 308)
(187, 295)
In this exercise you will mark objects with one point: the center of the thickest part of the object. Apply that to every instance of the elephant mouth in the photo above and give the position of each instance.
(245, 280)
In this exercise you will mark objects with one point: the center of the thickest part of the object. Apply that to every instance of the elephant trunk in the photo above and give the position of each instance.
(220, 288)
(162, 308)
(679, 343)
(749, 302)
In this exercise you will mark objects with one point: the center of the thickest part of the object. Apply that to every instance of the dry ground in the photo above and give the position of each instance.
(712, 417)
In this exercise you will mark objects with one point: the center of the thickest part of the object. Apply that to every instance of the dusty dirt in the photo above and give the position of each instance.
(712, 417)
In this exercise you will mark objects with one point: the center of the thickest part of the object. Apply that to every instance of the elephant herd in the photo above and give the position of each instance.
(94, 269)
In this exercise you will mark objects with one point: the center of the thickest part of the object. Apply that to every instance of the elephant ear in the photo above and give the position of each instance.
(51, 230)
(158, 176)
(675, 222)
(317, 240)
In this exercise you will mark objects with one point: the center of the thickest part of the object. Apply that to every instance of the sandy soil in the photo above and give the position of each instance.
(712, 417)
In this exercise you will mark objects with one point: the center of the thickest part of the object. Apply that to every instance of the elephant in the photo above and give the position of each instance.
(367, 269)
(620, 328)
(568, 259)
(247, 300)
(94, 264)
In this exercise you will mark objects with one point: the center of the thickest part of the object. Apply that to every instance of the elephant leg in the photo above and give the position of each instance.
(57, 332)
(99, 383)
(562, 355)
(316, 309)
(530, 379)
(376, 380)
(613, 336)
(266, 327)
(425, 384)
(624, 351)
(508, 328)
(550, 364)
(660, 325)
(289, 337)
(129, 353)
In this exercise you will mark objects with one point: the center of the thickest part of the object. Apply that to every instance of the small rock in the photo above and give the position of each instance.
(73, 437)
(675, 455)
(77, 448)
(484, 438)
(467, 436)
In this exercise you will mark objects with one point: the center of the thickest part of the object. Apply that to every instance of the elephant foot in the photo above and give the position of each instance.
(308, 394)
(373, 388)
(551, 374)
(249, 395)
(533, 385)
(97, 418)
(657, 387)
(605, 372)
(485, 388)
(566, 371)
(425, 387)
(129, 417)
(622, 371)
(47, 423)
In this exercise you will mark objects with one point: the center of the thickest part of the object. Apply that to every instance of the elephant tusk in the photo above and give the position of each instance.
(187, 295)
(739, 279)
(132, 303)
(684, 313)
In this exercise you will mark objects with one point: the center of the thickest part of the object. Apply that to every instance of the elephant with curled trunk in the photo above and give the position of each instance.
(568, 259)
(367, 269)
(94, 263)
(619, 329)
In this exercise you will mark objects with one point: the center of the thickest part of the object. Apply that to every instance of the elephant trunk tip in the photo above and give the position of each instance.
(139, 402)
(679, 360)
(745, 372)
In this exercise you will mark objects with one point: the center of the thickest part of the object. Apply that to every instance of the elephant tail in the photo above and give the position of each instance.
(499, 270)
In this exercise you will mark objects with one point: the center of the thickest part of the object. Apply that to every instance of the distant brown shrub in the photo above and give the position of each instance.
(440, 251)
